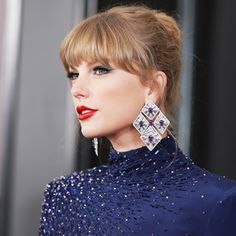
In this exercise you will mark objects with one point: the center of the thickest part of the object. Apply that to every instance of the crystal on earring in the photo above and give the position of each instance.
(95, 145)
(141, 123)
(151, 137)
(151, 123)
(161, 122)
(150, 110)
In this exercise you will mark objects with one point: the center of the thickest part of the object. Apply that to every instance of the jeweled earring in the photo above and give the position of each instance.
(95, 145)
(151, 123)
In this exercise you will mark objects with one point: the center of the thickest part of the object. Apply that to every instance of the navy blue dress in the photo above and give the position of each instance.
(141, 192)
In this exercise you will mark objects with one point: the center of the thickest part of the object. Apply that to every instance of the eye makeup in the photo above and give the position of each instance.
(97, 70)
(101, 70)
(72, 75)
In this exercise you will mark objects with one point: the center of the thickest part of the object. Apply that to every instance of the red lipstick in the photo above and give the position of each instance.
(84, 112)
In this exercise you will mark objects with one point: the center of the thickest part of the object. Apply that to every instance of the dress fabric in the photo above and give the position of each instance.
(141, 193)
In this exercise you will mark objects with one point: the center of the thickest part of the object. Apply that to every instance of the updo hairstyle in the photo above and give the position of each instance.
(136, 39)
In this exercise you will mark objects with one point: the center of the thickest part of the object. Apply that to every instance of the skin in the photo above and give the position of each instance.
(118, 97)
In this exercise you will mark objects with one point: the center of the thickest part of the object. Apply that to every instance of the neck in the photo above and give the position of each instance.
(126, 140)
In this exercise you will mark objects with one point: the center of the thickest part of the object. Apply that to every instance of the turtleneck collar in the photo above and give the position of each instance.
(167, 144)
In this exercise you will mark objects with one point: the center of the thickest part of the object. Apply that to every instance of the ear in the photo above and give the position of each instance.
(155, 89)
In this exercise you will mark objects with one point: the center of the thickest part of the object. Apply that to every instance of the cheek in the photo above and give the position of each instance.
(123, 104)
(75, 103)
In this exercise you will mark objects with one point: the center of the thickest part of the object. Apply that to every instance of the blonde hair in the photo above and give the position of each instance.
(137, 39)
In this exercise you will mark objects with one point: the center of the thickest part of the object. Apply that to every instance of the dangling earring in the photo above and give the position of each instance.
(95, 145)
(151, 123)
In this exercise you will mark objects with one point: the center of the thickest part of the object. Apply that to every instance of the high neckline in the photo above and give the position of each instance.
(168, 144)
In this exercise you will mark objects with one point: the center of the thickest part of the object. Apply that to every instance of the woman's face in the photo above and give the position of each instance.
(115, 95)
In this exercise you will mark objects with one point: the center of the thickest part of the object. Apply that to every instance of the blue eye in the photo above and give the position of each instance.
(100, 70)
(72, 75)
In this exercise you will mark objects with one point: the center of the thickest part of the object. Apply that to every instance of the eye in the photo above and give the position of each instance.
(72, 75)
(101, 70)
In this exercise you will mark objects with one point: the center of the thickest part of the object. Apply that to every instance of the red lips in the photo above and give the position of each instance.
(85, 112)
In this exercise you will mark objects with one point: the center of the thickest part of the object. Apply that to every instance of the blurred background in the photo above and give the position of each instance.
(38, 129)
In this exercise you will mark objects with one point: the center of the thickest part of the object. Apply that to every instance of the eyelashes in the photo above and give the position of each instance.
(101, 70)
(97, 71)
(72, 75)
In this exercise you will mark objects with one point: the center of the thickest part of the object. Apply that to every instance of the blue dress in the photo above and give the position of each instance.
(141, 192)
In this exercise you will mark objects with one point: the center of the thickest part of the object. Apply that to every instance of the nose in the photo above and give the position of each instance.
(79, 88)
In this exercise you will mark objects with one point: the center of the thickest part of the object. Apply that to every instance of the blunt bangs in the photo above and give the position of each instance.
(100, 39)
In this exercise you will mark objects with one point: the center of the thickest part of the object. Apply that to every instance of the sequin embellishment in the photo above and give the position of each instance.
(139, 192)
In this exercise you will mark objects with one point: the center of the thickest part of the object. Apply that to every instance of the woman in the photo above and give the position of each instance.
(124, 67)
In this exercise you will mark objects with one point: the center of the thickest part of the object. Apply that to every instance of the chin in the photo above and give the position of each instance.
(90, 133)
(86, 135)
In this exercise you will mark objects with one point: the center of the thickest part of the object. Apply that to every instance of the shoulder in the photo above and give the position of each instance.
(205, 187)
(210, 200)
(222, 220)
(214, 183)
(211, 185)
(76, 180)
(65, 198)
(201, 177)
(216, 197)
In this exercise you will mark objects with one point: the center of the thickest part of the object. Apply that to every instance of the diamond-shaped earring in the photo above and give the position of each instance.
(151, 138)
(150, 123)
(161, 122)
(150, 109)
(141, 123)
